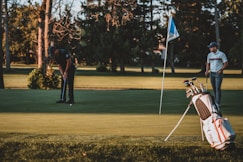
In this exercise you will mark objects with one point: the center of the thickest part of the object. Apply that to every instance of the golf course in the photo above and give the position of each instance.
(115, 117)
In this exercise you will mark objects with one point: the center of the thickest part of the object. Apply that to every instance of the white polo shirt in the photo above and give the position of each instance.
(216, 60)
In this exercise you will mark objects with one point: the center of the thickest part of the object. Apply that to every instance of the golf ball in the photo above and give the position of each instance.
(70, 104)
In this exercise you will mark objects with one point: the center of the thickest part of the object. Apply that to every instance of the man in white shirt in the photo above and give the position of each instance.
(216, 63)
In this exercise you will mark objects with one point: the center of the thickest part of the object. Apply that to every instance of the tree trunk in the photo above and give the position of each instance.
(172, 58)
(39, 50)
(6, 37)
(1, 49)
(122, 66)
(216, 23)
(152, 62)
(241, 40)
(113, 64)
(142, 65)
(40, 34)
(46, 33)
(153, 66)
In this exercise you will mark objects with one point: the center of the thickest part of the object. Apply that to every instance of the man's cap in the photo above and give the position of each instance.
(212, 44)
(51, 50)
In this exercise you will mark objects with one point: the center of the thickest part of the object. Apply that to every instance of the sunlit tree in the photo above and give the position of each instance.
(231, 22)
(7, 52)
(22, 32)
(194, 21)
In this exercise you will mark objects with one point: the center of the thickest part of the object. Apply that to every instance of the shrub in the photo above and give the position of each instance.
(156, 71)
(51, 80)
(101, 68)
(37, 80)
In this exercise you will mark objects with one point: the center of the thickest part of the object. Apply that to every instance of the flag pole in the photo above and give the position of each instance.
(162, 83)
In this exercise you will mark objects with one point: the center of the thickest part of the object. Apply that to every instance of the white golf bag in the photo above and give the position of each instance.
(217, 129)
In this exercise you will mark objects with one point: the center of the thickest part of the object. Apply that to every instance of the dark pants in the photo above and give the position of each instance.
(216, 81)
(70, 84)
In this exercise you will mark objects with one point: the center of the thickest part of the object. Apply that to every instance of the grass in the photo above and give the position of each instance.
(75, 148)
(113, 101)
(87, 78)
(121, 124)
(117, 125)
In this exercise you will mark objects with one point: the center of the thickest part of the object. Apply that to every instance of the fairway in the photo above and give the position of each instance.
(97, 125)
(115, 112)
(125, 82)
(113, 117)
(115, 125)
(87, 78)
(119, 105)
(105, 125)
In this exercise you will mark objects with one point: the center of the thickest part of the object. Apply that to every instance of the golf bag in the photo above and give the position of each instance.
(217, 129)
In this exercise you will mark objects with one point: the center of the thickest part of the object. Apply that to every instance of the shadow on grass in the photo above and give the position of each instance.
(111, 148)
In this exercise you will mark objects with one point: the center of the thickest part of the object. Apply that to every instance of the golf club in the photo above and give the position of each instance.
(186, 82)
(200, 84)
(189, 93)
(63, 88)
(216, 129)
(194, 88)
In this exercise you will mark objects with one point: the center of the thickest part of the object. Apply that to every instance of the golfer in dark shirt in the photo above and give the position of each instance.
(67, 70)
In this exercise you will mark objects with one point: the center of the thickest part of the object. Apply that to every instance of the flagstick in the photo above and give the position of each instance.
(171, 30)
(163, 77)
(162, 86)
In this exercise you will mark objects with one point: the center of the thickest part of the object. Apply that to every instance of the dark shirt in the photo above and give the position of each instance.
(62, 58)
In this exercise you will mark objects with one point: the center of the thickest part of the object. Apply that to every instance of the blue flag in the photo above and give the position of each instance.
(172, 31)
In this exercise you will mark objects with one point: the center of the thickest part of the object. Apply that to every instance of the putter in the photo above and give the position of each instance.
(63, 88)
